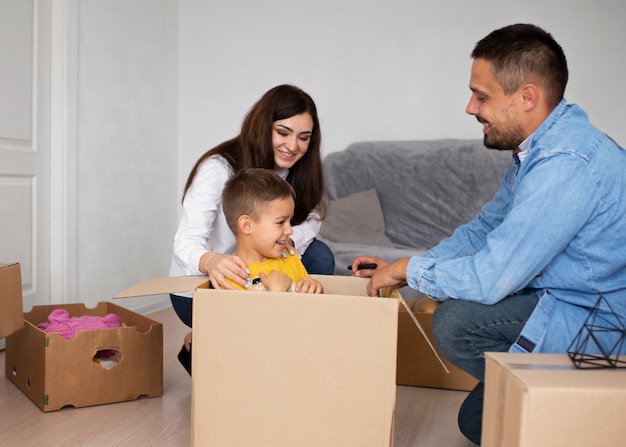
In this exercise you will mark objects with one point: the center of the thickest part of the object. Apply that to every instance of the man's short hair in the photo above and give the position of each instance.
(525, 53)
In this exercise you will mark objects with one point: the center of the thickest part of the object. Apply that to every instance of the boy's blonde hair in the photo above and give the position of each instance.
(249, 191)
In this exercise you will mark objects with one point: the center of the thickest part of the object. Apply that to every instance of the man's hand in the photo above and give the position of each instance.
(389, 275)
(364, 273)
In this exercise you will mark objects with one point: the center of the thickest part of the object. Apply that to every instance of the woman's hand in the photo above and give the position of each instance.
(309, 285)
(290, 246)
(275, 281)
(367, 260)
(387, 275)
(219, 266)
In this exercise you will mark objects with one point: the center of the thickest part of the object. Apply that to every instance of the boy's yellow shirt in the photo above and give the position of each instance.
(291, 265)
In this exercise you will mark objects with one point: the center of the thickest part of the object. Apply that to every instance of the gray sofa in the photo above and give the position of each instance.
(394, 199)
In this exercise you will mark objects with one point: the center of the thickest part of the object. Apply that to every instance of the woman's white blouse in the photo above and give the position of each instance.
(203, 226)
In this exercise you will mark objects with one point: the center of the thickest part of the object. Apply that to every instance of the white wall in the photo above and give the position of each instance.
(158, 82)
(126, 144)
(378, 69)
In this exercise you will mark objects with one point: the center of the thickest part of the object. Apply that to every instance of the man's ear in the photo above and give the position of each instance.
(530, 96)
(244, 223)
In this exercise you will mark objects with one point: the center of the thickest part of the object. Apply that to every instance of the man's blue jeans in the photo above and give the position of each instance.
(464, 331)
(318, 259)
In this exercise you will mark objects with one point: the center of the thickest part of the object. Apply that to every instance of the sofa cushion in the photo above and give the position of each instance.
(356, 219)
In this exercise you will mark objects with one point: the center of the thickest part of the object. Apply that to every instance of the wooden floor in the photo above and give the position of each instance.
(424, 417)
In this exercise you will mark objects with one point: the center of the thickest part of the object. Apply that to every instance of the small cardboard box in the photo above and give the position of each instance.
(11, 313)
(55, 372)
(542, 399)
(417, 364)
(284, 369)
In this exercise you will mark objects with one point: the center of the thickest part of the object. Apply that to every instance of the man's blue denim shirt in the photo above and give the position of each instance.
(556, 226)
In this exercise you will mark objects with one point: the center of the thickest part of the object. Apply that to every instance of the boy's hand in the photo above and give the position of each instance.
(309, 285)
(275, 281)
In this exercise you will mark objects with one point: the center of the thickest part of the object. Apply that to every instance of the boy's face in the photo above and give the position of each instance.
(273, 228)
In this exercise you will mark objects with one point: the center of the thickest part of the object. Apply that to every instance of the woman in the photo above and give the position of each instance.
(280, 132)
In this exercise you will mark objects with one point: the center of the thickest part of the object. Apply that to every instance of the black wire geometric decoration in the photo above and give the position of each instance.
(601, 341)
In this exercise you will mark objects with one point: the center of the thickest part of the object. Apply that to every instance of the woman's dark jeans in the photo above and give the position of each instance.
(318, 259)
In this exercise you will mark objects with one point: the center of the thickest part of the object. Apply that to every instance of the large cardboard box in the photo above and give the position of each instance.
(285, 369)
(417, 365)
(55, 372)
(11, 313)
(543, 400)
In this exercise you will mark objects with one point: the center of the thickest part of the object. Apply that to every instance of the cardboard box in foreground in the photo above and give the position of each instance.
(287, 369)
(543, 400)
(11, 313)
(54, 372)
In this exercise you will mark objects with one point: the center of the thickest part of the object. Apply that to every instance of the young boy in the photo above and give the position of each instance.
(258, 206)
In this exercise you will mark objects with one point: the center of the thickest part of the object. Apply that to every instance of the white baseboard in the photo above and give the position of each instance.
(145, 305)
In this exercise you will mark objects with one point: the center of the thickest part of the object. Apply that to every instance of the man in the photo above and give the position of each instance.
(524, 275)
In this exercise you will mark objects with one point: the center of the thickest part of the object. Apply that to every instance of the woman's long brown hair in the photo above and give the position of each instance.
(253, 148)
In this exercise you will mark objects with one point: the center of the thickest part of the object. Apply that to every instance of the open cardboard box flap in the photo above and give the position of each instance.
(333, 285)
(159, 286)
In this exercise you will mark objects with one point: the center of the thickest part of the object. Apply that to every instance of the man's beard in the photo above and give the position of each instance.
(508, 140)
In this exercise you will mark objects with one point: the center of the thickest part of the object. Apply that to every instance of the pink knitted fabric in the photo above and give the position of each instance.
(60, 322)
